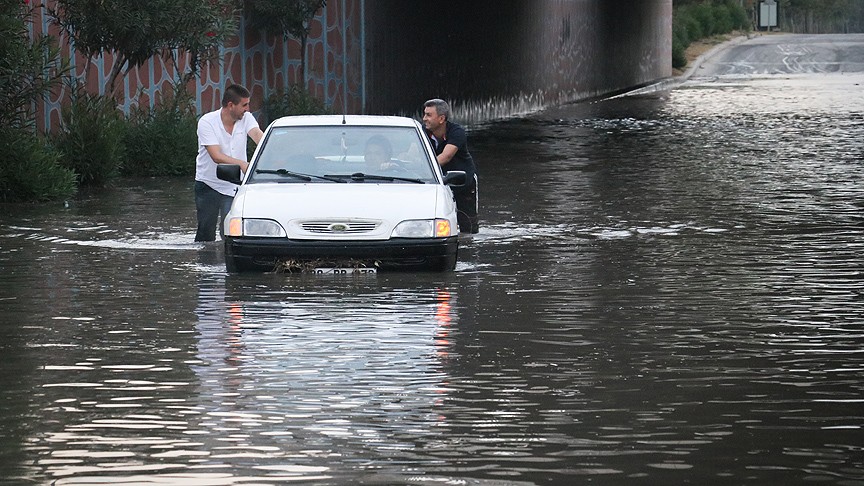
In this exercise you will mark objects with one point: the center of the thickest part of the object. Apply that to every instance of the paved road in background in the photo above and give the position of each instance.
(788, 54)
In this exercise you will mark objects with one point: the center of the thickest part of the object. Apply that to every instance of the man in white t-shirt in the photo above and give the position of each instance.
(221, 140)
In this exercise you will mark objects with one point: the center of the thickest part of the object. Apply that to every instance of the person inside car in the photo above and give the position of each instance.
(378, 154)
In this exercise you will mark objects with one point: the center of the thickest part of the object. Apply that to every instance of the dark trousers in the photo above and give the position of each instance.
(211, 207)
(466, 207)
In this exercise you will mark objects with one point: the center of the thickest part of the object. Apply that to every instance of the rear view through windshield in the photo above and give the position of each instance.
(324, 151)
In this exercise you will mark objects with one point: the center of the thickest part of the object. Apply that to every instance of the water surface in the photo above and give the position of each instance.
(666, 289)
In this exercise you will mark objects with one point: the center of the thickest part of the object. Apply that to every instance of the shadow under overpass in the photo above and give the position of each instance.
(494, 58)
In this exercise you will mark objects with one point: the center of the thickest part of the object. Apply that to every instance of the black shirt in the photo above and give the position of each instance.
(462, 160)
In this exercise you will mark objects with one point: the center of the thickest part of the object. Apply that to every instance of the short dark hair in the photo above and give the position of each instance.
(441, 107)
(381, 141)
(233, 94)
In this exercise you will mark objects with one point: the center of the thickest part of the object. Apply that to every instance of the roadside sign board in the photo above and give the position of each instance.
(768, 14)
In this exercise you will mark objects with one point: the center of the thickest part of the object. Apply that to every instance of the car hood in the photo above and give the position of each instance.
(293, 204)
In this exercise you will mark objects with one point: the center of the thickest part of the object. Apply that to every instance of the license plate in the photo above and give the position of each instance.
(344, 271)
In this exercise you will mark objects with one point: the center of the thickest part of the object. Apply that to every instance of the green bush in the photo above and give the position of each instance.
(695, 21)
(704, 14)
(679, 32)
(162, 141)
(90, 141)
(723, 19)
(30, 170)
(294, 101)
(30, 65)
(690, 27)
(679, 57)
(740, 19)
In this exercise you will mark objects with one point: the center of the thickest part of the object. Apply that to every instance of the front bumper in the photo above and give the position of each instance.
(266, 254)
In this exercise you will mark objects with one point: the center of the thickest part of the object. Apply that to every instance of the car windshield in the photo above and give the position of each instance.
(328, 154)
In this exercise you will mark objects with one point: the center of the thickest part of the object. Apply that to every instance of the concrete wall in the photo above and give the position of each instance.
(496, 57)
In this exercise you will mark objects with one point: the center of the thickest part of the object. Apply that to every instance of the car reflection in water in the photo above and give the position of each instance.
(283, 371)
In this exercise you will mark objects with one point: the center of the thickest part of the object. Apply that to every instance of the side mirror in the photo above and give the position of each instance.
(455, 178)
(229, 173)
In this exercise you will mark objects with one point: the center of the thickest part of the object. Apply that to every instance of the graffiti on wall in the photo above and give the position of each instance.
(261, 63)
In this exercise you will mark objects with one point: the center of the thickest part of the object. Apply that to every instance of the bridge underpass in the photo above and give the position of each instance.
(493, 58)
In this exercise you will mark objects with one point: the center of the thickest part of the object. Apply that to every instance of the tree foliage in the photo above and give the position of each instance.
(696, 20)
(90, 141)
(803, 16)
(29, 68)
(162, 140)
(291, 18)
(135, 30)
(287, 18)
(821, 16)
(30, 170)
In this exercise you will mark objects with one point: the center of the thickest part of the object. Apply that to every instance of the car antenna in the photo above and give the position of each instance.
(344, 99)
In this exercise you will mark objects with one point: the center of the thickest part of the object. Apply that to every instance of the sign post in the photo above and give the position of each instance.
(768, 14)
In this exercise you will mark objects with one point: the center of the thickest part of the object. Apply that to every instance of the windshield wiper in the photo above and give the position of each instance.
(284, 172)
(359, 176)
(297, 175)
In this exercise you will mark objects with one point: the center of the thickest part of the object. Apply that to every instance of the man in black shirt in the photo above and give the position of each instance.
(451, 147)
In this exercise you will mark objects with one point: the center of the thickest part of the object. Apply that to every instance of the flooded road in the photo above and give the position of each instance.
(666, 289)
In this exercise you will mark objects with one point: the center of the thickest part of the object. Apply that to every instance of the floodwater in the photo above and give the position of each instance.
(666, 289)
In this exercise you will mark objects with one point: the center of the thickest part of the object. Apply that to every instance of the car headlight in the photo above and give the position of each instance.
(265, 228)
(422, 228)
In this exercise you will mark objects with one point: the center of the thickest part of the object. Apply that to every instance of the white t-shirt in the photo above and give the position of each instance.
(211, 131)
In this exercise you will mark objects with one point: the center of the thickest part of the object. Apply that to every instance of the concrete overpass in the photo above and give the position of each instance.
(496, 57)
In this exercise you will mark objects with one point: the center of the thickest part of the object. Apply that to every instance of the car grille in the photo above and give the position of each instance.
(336, 227)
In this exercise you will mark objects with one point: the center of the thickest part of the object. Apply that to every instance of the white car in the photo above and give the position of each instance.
(342, 194)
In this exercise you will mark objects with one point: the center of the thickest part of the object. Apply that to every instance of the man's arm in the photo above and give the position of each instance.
(216, 154)
(447, 154)
(255, 134)
(219, 157)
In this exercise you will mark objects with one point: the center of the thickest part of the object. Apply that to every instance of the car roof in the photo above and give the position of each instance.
(349, 120)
